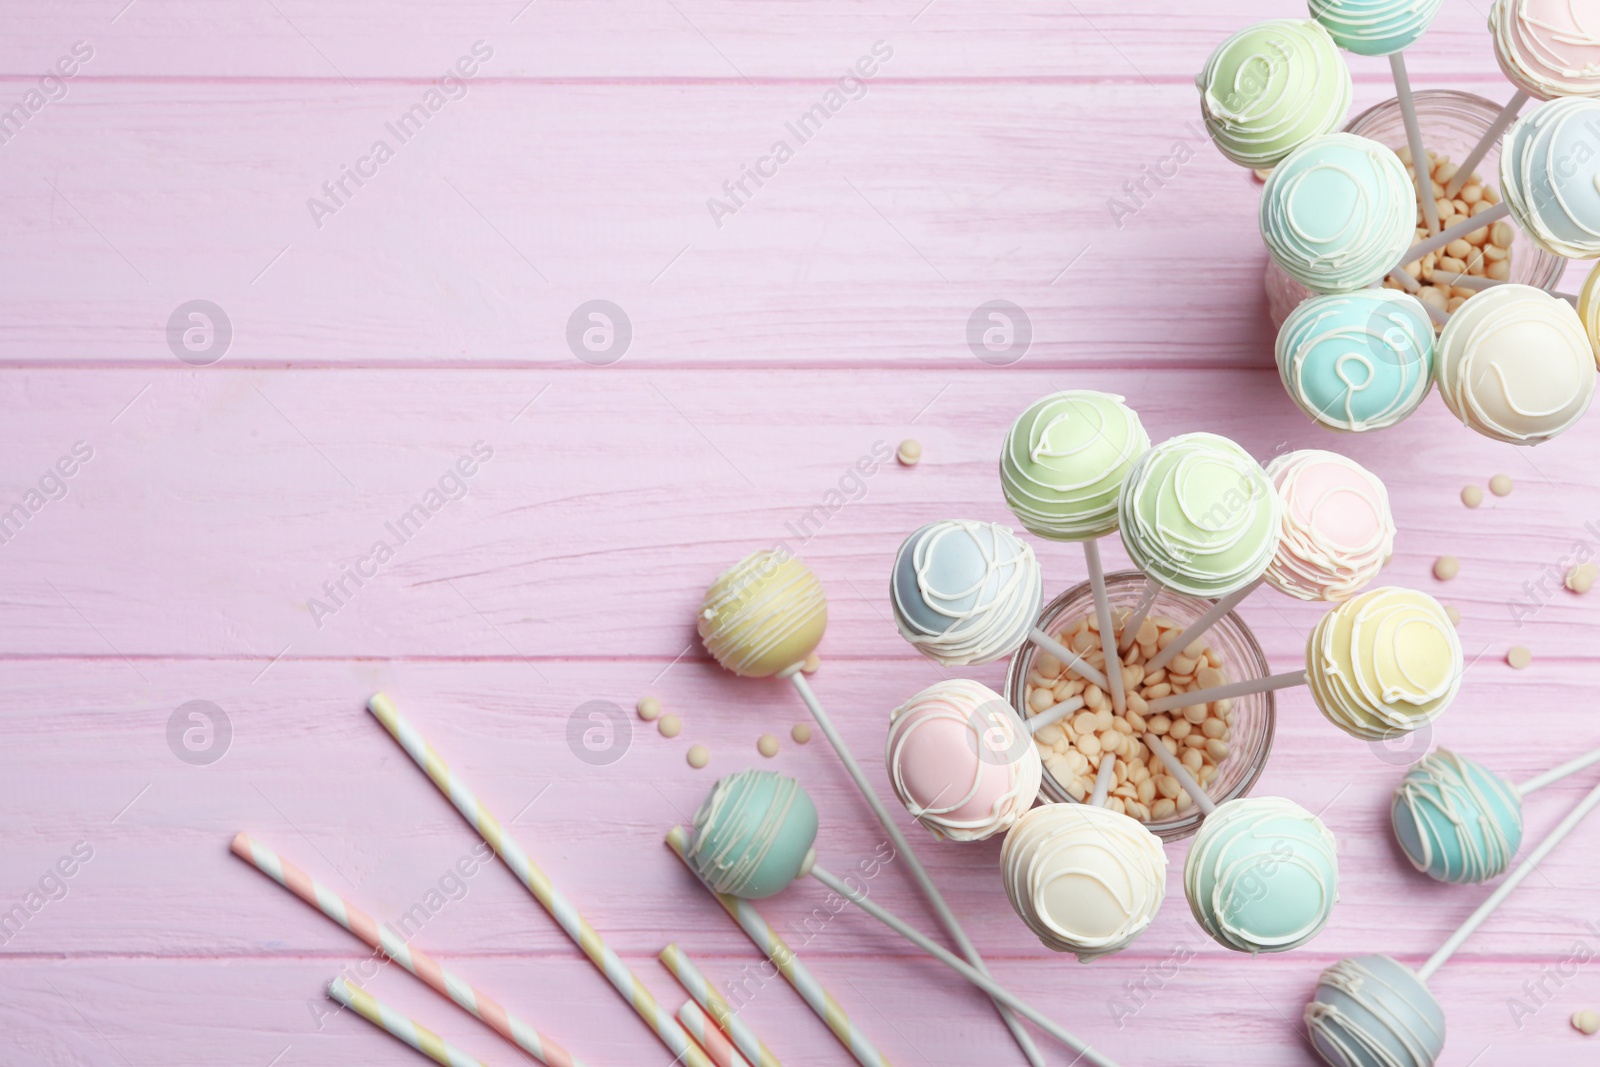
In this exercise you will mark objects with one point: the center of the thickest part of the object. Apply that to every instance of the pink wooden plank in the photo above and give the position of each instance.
(309, 773)
(875, 243)
(217, 505)
(722, 40)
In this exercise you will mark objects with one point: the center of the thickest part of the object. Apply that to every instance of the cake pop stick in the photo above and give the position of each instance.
(1490, 138)
(713, 1040)
(697, 986)
(397, 1025)
(1210, 618)
(1262, 874)
(1103, 779)
(1140, 612)
(1086, 1052)
(969, 592)
(796, 973)
(1108, 630)
(1419, 154)
(574, 925)
(1504, 889)
(755, 835)
(419, 963)
(1556, 774)
(1269, 683)
(1175, 767)
(1451, 233)
(947, 918)
(762, 618)
(1374, 1010)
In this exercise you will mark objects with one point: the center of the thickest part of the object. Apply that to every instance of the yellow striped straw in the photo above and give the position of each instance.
(411, 1032)
(796, 973)
(678, 1042)
(695, 984)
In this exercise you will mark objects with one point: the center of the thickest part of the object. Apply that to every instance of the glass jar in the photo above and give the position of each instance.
(1452, 124)
(1242, 659)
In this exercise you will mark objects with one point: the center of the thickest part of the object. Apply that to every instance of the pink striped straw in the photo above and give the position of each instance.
(710, 1036)
(419, 963)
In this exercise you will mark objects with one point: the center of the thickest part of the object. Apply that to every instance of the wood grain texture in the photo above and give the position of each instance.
(770, 357)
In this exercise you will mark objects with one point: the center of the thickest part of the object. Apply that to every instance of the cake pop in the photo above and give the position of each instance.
(1084, 879)
(1262, 875)
(1548, 48)
(1386, 28)
(763, 617)
(1516, 365)
(1061, 469)
(1338, 213)
(965, 592)
(757, 832)
(1064, 462)
(1459, 822)
(1546, 51)
(1383, 663)
(1550, 174)
(1338, 531)
(960, 760)
(1357, 361)
(1270, 88)
(1263, 872)
(1199, 515)
(968, 592)
(1375, 27)
(1373, 1011)
(1589, 308)
(754, 835)
(765, 613)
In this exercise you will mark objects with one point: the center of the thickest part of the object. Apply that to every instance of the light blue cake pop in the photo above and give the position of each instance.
(1357, 361)
(1371, 1011)
(1338, 214)
(1456, 820)
(965, 592)
(1262, 875)
(1550, 173)
(754, 835)
(1375, 27)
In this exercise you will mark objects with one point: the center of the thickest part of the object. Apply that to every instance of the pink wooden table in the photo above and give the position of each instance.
(423, 312)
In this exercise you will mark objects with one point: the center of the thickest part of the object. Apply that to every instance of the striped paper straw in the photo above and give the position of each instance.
(695, 984)
(410, 1031)
(713, 1040)
(560, 908)
(789, 965)
(414, 960)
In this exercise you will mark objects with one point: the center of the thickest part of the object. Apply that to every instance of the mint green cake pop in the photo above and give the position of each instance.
(754, 835)
(1338, 213)
(1199, 515)
(1457, 820)
(1270, 88)
(1262, 875)
(1064, 461)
